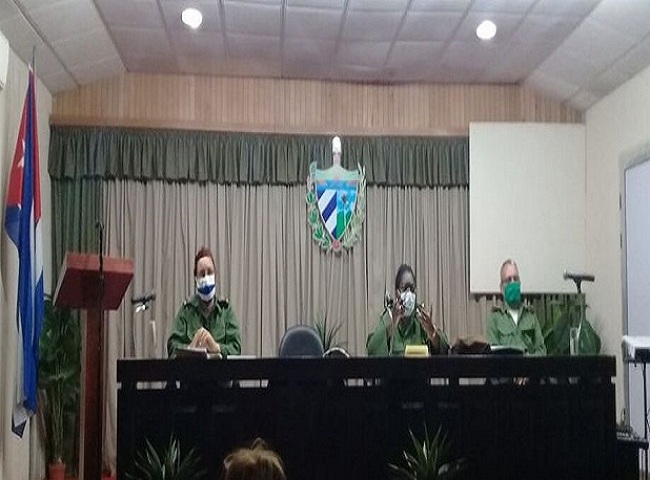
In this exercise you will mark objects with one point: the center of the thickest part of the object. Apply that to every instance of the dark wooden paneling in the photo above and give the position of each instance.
(558, 427)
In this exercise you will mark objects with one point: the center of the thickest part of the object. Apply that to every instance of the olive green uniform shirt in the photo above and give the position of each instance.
(526, 334)
(221, 323)
(407, 332)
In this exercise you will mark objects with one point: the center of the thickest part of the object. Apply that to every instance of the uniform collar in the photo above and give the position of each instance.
(196, 302)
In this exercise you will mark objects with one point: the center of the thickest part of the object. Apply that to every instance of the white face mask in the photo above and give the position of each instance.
(408, 300)
(206, 287)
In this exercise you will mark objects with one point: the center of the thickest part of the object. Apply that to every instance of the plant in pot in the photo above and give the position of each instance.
(168, 464)
(59, 384)
(559, 318)
(428, 459)
(327, 332)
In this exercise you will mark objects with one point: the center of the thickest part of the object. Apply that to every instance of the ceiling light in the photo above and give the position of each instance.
(192, 17)
(486, 30)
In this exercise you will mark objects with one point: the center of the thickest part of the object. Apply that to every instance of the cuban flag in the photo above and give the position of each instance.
(23, 225)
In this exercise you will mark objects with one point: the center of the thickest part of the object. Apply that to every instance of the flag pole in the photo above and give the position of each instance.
(34, 58)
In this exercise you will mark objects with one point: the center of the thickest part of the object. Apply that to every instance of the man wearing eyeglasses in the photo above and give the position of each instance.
(514, 324)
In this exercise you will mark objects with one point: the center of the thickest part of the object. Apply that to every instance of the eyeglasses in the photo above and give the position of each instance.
(510, 279)
(407, 286)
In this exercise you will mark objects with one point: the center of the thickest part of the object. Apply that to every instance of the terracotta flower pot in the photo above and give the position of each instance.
(56, 471)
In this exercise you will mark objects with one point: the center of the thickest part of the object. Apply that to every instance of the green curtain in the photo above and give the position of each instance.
(76, 207)
(251, 159)
(80, 158)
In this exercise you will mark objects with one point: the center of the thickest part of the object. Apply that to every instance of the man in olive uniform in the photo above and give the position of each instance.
(404, 323)
(203, 321)
(514, 324)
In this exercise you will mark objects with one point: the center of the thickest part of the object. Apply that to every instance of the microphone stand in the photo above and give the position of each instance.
(578, 279)
(100, 226)
(99, 389)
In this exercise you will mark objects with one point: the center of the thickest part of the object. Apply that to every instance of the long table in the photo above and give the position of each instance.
(338, 418)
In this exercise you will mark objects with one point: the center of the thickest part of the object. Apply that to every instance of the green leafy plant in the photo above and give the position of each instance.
(327, 332)
(559, 317)
(428, 460)
(59, 380)
(169, 464)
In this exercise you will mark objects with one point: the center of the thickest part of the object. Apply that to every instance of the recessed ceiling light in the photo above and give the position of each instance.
(192, 17)
(486, 30)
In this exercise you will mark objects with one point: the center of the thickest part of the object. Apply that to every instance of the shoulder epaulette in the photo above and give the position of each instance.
(223, 303)
(498, 308)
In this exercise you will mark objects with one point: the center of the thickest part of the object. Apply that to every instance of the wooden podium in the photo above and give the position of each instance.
(81, 287)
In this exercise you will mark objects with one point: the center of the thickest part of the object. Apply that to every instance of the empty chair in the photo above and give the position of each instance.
(301, 341)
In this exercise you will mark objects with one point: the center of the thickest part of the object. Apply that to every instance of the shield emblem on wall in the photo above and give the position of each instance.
(336, 205)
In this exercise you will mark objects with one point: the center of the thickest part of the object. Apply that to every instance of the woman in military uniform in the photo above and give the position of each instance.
(203, 321)
(404, 322)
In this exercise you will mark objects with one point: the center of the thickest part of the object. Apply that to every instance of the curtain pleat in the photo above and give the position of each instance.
(251, 159)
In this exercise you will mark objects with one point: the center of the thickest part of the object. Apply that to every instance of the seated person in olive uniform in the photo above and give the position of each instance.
(514, 324)
(203, 321)
(405, 323)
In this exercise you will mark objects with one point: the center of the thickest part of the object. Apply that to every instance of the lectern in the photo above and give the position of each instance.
(82, 286)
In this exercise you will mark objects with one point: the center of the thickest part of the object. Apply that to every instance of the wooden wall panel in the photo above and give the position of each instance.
(299, 106)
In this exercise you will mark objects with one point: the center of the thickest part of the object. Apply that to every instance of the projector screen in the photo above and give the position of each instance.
(526, 202)
(636, 203)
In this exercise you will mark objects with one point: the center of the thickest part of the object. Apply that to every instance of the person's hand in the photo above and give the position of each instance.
(397, 312)
(426, 320)
(203, 339)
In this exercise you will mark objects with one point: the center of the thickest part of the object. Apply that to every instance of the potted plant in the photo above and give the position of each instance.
(428, 460)
(169, 464)
(559, 318)
(59, 372)
(327, 332)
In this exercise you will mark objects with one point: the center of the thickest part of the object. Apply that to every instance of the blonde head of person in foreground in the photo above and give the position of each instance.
(255, 463)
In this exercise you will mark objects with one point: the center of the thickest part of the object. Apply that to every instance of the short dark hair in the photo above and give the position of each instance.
(203, 252)
(403, 268)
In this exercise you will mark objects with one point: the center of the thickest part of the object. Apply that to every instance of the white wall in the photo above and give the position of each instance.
(20, 459)
(526, 202)
(615, 126)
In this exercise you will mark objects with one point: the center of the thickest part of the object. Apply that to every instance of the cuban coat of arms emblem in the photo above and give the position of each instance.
(336, 202)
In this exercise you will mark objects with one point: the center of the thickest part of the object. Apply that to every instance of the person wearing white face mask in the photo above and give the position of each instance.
(405, 323)
(203, 321)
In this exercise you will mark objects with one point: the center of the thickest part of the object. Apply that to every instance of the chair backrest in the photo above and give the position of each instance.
(301, 341)
(336, 352)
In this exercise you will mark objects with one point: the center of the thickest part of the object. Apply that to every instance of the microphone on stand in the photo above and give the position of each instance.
(578, 278)
(142, 302)
(146, 298)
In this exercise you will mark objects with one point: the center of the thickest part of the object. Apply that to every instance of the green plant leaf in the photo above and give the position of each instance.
(59, 379)
(589, 341)
(427, 459)
(169, 464)
(565, 314)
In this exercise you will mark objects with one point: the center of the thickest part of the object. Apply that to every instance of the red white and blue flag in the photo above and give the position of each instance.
(23, 225)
